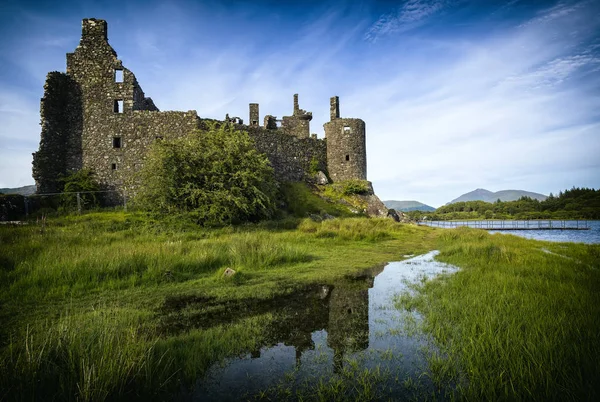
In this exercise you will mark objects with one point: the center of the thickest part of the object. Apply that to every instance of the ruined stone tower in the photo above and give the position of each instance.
(346, 145)
(298, 124)
(109, 120)
(254, 116)
(96, 116)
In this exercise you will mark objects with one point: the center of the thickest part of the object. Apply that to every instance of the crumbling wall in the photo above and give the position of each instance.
(60, 150)
(119, 121)
(298, 124)
(291, 157)
(97, 116)
(254, 115)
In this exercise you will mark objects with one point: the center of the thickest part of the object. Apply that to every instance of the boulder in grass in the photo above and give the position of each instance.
(321, 178)
(228, 272)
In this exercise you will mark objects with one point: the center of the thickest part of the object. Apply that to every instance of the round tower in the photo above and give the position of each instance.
(346, 146)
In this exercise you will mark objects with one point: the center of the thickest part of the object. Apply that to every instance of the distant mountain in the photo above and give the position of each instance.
(505, 195)
(25, 190)
(407, 206)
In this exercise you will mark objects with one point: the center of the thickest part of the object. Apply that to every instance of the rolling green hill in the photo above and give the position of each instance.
(25, 190)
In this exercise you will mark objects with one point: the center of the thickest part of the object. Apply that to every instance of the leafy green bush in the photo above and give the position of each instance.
(12, 207)
(350, 187)
(83, 182)
(217, 174)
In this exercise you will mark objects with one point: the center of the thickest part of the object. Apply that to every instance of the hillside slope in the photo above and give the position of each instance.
(481, 194)
(407, 206)
(25, 190)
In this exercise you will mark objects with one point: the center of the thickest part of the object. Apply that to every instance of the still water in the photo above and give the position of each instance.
(591, 236)
(333, 330)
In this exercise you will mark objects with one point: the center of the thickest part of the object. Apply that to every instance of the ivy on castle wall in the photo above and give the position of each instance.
(60, 142)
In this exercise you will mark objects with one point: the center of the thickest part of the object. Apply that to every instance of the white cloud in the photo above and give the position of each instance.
(410, 15)
(506, 110)
(513, 109)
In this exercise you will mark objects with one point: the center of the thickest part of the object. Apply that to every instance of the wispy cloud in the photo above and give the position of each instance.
(554, 72)
(505, 109)
(510, 104)
(410, 15)
(560, 10)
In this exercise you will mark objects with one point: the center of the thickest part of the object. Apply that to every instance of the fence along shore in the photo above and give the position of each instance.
(545, 224)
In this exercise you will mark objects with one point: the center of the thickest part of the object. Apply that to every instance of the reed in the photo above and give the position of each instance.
(519, 321)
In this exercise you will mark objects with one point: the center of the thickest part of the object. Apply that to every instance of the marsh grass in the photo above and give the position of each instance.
(80, 299)
(81, 306)
(353, 382)
(514, 323)
(356, 229)
(81, 357)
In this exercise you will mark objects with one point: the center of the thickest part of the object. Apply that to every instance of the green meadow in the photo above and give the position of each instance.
(99, 306)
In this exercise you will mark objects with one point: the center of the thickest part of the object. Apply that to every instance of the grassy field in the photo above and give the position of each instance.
(95, 307)
(82, 297)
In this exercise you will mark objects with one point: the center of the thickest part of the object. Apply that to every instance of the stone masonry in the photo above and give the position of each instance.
(97, 116)
(346, 145)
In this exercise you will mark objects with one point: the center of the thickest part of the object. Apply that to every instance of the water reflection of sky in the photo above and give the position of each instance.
(356, 321)
(591, 236)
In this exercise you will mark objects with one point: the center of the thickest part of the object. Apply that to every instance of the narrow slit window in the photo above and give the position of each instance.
(116, 142)
(118, 75)
(113, 166)
(347, 157)
(118, 107)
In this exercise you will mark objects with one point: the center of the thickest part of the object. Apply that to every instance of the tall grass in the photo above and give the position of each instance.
(516, 322)
(356, 229)
(80, 296)
(65, 262)
(78, 357)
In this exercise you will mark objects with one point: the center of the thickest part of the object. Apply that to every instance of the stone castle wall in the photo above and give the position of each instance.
(290, 156)
(117, 166)
(97, 116)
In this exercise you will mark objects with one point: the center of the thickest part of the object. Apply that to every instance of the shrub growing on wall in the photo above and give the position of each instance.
(217, 174)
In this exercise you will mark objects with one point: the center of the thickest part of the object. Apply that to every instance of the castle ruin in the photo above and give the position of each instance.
(97, 116)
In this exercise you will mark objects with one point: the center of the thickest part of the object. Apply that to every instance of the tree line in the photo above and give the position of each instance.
(576, 203)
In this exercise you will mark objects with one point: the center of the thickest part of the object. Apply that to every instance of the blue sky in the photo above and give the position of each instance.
(456, 94)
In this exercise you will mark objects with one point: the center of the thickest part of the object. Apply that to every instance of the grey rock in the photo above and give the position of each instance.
(321, 178)
(228, 272)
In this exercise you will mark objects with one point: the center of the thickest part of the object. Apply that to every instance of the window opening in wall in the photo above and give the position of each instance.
(254, 122)
(118, 75)
(113, 166)
(347, 157)
(116, 142)
(159, 137)
(118, 107)
(347, 129)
